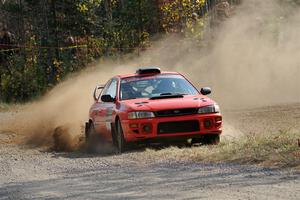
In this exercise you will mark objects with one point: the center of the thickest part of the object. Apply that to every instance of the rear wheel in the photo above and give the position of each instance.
(93, 140)
(120, 140)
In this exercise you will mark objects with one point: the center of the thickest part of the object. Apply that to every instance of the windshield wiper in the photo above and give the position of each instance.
(168, 95)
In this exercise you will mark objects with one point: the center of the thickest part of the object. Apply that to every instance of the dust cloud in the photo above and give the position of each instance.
(253, 59)
(56, 121)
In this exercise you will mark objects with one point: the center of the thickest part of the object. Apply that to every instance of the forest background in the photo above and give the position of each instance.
(42, 41)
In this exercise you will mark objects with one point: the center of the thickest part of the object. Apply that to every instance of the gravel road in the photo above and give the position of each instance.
(27, 173)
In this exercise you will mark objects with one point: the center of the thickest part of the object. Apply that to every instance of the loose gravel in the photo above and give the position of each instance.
(36, 173)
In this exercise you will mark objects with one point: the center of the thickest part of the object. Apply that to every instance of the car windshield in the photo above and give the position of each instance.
(155, 86)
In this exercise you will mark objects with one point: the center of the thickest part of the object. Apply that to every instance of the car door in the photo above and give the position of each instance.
(98, 109)
(108, 108)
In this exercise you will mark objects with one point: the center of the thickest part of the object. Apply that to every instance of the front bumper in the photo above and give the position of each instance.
(148, 129)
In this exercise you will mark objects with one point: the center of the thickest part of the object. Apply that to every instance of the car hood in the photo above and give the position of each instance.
(188, 101)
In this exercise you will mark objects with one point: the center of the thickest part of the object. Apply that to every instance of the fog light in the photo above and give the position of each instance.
(146, 128)
(207, 123)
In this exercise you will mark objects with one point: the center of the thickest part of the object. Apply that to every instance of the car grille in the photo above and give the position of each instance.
(178, 127)
(176, 112)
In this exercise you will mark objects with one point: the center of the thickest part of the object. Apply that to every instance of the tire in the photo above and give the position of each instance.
(120, 140)
(212, 139)
(196, 141)
(209, 139)
(86, 130)
(93, 140)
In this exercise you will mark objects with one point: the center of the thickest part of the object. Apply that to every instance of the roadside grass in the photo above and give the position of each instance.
(4, 107)
(271, 150)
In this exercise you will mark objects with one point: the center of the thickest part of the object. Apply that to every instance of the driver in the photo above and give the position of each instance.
(165, 86)
(127, 92)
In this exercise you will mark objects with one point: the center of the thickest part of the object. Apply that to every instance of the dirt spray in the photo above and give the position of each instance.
(253, 59)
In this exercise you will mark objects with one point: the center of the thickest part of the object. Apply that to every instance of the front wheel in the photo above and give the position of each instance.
(212, 139)
(120, 140)
(209, 139)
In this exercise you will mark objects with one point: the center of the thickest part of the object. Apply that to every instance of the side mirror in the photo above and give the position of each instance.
(205, 90)
(98, 87)
(107, 98)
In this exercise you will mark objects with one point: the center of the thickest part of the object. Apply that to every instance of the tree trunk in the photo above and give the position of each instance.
(108, 10)
(56, 46)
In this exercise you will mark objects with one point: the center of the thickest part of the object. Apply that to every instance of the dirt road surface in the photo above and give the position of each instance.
(27, 173)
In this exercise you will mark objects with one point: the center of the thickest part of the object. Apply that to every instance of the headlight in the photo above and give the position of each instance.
(209, 109)
(140, 115)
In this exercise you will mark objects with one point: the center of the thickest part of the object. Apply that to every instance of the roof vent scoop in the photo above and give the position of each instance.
(148, 70)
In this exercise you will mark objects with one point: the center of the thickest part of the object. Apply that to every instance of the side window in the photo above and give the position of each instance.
(111, 89)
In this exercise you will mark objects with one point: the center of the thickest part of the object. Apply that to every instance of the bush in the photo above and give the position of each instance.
(20, 80)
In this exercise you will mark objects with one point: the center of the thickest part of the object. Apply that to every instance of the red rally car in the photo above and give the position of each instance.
(152, 106)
